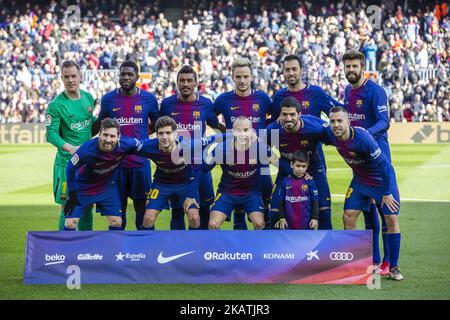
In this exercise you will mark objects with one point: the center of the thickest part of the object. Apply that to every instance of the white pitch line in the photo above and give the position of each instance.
(395, 167)
(406, 199)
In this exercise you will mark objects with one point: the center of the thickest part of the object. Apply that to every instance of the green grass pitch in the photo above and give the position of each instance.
(26, 203)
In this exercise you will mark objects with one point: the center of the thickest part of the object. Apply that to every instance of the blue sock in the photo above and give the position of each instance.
(372, 223)
(394, 248)
(204, 217)
(384, 234)
(325, 220)
(67, 229)
(149, 228)
(124, 219)
(192, 228)
(111, 228)
(139, 220)
(177, 220)
(239, 220)
(267, 224)
(273, 218)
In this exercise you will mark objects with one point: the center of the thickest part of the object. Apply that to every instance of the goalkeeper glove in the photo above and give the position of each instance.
(70, 203)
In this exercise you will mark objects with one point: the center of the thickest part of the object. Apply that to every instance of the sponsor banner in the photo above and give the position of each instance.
(22, 133)
(269, 256)
(419, 132)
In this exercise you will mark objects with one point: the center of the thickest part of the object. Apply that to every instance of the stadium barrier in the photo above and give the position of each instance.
(139, 257)
(418, 132)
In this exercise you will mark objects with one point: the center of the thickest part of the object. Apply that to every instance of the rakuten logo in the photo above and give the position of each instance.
(227, 256)
(242, 175)
(293, 199)
(54, 259)
(251, 119)
(89, 257)
(356, 116)
(189, 127)
(129, 121)
(80, 125)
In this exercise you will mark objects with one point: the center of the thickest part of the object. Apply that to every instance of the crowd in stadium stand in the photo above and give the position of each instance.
(35, 39)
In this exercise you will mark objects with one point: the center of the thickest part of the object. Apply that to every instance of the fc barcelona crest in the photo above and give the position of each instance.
(196, 114)
(256, 107)
(359, 103)
(304, 187)
(138, 109)
(305, 104)
(304, 143)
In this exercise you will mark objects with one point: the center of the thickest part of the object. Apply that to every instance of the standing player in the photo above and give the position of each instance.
(132, 108)
(69, 122)
(298, 133)
(240, 159)
(192, 112)
(299, 202)
(314, 101)
(253, 104)
(373, 178)
(91, 176)
(366, 103)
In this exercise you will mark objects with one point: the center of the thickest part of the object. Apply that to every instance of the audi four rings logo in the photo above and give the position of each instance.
(341, 256)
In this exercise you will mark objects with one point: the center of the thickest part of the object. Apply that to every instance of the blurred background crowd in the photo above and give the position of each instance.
(406, 45)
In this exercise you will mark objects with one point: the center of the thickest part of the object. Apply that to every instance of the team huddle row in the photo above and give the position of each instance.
(286, 131)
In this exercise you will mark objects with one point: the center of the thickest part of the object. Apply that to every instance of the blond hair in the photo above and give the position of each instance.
(241, 62)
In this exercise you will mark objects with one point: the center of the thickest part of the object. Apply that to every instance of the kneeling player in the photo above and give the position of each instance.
(174, 178)
(299, 202)
(373, 178)
(91, 176)
(240, 161)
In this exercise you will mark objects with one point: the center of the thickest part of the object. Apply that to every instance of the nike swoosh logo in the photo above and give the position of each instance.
(289, 187)
(174, 113)
(284, 145)
(234, 108)
(115, 109)
(71, 115)
(159, 161)
(163, 260)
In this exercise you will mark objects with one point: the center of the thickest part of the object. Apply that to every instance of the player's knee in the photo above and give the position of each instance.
(149, 220)
(391, 221)
(115, 221)
(213, 225)
(259, 224)
(349, 219)
(194, 218)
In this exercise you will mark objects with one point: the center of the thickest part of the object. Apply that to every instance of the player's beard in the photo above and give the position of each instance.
(289, 125)
(355, 79)
(107, 146)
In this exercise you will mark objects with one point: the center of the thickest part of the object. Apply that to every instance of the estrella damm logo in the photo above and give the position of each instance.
(138, 109)
(305, 104)
(304, 143)
(359, 103)
(304, 187)
(348, 193)
(196, 114)
(256, 107)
